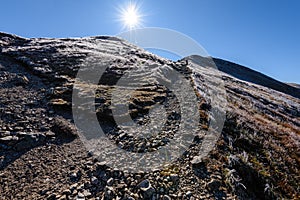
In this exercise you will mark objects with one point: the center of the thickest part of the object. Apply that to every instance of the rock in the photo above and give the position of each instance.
(86, 193)
(18, 128)
(60, 103)
(103, 176)
(42, 71)
(50, 134)
(196, 160)
(174, 177)
(61, 127)
(166, 197)
(214, 185)
(52, 197)
(144, 184)
(80, 196)
(67, 192)
(122, 136)
(90, 153)
(73, 176)
(8, 139)
(108, 193)
(146, 188)
(21, 80)
(80, 187)
(94, 180)
(110, 181)
(188, 193)
(73, 187)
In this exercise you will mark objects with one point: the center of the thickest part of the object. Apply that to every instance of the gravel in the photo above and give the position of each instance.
(42, 157)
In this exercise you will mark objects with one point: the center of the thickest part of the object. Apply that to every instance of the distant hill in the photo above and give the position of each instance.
(249, 75)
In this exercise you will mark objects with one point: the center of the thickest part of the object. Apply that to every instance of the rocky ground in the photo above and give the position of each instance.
(42, 157)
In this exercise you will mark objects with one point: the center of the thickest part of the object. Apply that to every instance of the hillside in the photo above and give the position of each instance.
(295, 85)
(43, 156)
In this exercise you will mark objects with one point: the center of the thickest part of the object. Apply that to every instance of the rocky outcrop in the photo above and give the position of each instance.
(255, 157)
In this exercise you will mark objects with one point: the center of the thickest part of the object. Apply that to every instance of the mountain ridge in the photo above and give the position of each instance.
(249, 75)
(288, 88)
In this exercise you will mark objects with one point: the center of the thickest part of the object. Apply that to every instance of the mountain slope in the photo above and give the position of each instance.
(252, 76)
(295, 85)
(255, 157)
(249, 75)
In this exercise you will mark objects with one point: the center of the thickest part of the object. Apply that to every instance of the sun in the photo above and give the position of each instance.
(130, 16)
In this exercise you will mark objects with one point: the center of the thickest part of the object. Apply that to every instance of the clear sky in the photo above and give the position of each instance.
(263, 35)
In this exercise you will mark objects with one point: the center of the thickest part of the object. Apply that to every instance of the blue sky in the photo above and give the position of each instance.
(263, 35)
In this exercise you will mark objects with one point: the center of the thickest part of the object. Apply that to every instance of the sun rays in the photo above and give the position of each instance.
(130, 16)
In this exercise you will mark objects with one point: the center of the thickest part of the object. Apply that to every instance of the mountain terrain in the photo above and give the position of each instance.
(43, 156)
(294, 85)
